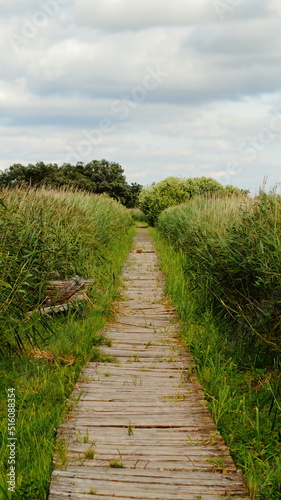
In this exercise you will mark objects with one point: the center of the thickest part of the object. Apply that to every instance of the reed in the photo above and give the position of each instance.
(47, 233)
(233, 253)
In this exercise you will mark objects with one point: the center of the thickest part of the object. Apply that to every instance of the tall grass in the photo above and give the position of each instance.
(43, 233)
(234, 255)
(68, 233)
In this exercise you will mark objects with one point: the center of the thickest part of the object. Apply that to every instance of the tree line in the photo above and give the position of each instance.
(100, 177)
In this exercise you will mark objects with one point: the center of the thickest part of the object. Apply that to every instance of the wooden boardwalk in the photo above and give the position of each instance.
(145, 411)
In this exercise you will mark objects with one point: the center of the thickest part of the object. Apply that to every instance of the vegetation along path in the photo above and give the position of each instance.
(141, 429)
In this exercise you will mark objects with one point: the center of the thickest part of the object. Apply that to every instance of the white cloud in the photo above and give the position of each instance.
(133, 14)
(215, 84)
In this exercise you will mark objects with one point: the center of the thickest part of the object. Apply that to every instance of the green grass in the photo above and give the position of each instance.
(244, 398)
(44, 364)
(116, 464)
(90, 454)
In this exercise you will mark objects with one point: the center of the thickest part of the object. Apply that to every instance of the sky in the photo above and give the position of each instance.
(187, 88)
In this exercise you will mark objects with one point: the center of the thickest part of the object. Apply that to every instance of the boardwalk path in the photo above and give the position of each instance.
(145, 408)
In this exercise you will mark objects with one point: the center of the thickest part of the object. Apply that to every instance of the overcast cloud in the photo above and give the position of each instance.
(185, 88)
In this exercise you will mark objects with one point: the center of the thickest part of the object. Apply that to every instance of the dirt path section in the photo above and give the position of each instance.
(141, 429)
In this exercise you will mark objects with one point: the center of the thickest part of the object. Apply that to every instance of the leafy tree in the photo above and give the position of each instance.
(109, 178)
(33, 175)
(16, 174)
(96, 177)
(135, 189)
(70, 175)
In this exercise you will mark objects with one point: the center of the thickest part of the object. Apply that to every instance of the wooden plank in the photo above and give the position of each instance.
(118, 496)
(147, 434)
(147, 476)
(139, 491)
(153, 376)
(73, 496)
(131, 449)
(214, 480)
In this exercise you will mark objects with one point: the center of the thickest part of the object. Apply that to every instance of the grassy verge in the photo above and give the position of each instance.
(86, 235)
(242, 396)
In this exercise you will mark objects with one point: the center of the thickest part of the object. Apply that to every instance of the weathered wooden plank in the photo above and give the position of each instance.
(131, 449)
(177, 491)
(127, 390)
(147, 476)
(119, 497)
(148, 363)
(112, 368)
(165, 423)
(216, 482)
(116, 435)
(190, 466)
(172, 392)
(73, 496)
(135, 413)
(139, 378)
(123, 349)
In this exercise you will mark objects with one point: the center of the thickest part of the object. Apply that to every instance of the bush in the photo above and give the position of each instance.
(172, 191)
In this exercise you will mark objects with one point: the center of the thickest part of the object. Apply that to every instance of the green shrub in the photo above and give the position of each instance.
(172, 191)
